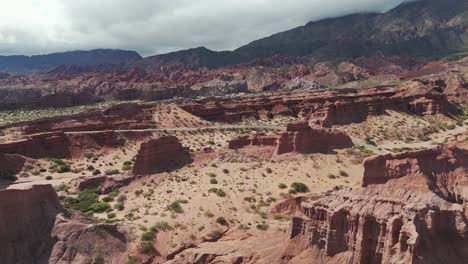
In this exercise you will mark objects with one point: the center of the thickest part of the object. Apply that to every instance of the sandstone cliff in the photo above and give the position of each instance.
(413, 218)
(160, 155)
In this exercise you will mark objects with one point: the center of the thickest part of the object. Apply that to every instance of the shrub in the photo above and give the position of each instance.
(208, 213)
(213, 181)
(343, 173)
(121, 198)
(262, 227)
(99, 260)
(282, 186)
(99, 207)
(221, 220)
(96, 172)
(49, 178)
(176, 207)
(133, 260)
(112, 172)
(218, 192)
(111, 215)
(119, 206)
(300, 187)
(215, 234)
(269, 171)
(84, 200)
(225, 171)
(64, 168)
(162, 226)
(89, 155)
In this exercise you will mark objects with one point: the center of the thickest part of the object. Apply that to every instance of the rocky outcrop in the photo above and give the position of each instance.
(123, 116)
(10, 165)
(83, 242)
(26, 223)
(105, 184)
(302, 84)
(51, 145)
(332, 108)
(34, 228)
(437, 162)
(80, 143)
(263, 79)
(223, 85)
(413, 218)
(160, 155)
(299, 138)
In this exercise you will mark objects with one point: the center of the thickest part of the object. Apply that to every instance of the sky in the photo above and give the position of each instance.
(158, 26)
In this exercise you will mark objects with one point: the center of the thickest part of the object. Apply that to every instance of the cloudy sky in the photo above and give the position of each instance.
(158, 26)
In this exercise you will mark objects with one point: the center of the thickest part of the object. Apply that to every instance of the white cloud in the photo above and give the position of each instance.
(157, 26)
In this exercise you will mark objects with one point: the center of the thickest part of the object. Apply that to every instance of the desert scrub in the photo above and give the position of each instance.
(175, 207)
(221, 220)
(112, 172)
(299, 187)
(217, 191)
(87, 201)
(127, 165)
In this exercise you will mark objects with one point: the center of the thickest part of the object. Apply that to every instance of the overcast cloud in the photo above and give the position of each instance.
(158, 26)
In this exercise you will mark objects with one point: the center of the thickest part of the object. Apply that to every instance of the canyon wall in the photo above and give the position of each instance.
(413, 218)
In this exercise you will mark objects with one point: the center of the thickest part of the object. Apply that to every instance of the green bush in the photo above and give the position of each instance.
(213, 181)
(84, 200)
(99, 207)
(221, 220)
(282, 186)
(64, 168)
(300, 187)
(262, 227)
(119, 206)
(111, 215)
(176, 207)
(96, 172)
(112, 172)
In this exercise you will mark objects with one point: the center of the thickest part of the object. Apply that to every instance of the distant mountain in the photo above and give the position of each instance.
(417, 28)
(40, 63)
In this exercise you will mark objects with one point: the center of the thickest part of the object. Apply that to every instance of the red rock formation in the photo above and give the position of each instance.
(52, 145)
(299, 137)
(124, 116)
(327, 109)
(105, 184)
(83, 242)
(80, 143)
(10, 165)
(413, 218)
(26, 222)
(160, 155)
(436, 162)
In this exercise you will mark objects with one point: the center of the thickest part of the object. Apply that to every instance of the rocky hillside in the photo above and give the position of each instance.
(38, 63)
(426, 27)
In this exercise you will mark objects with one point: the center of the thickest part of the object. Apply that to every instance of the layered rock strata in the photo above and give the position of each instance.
(299, 138)
(160, 155)
(412, 218)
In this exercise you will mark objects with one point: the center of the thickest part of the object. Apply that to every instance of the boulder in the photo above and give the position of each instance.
(160, 155)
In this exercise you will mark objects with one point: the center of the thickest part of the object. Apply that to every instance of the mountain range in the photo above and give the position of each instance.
(416, 28)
